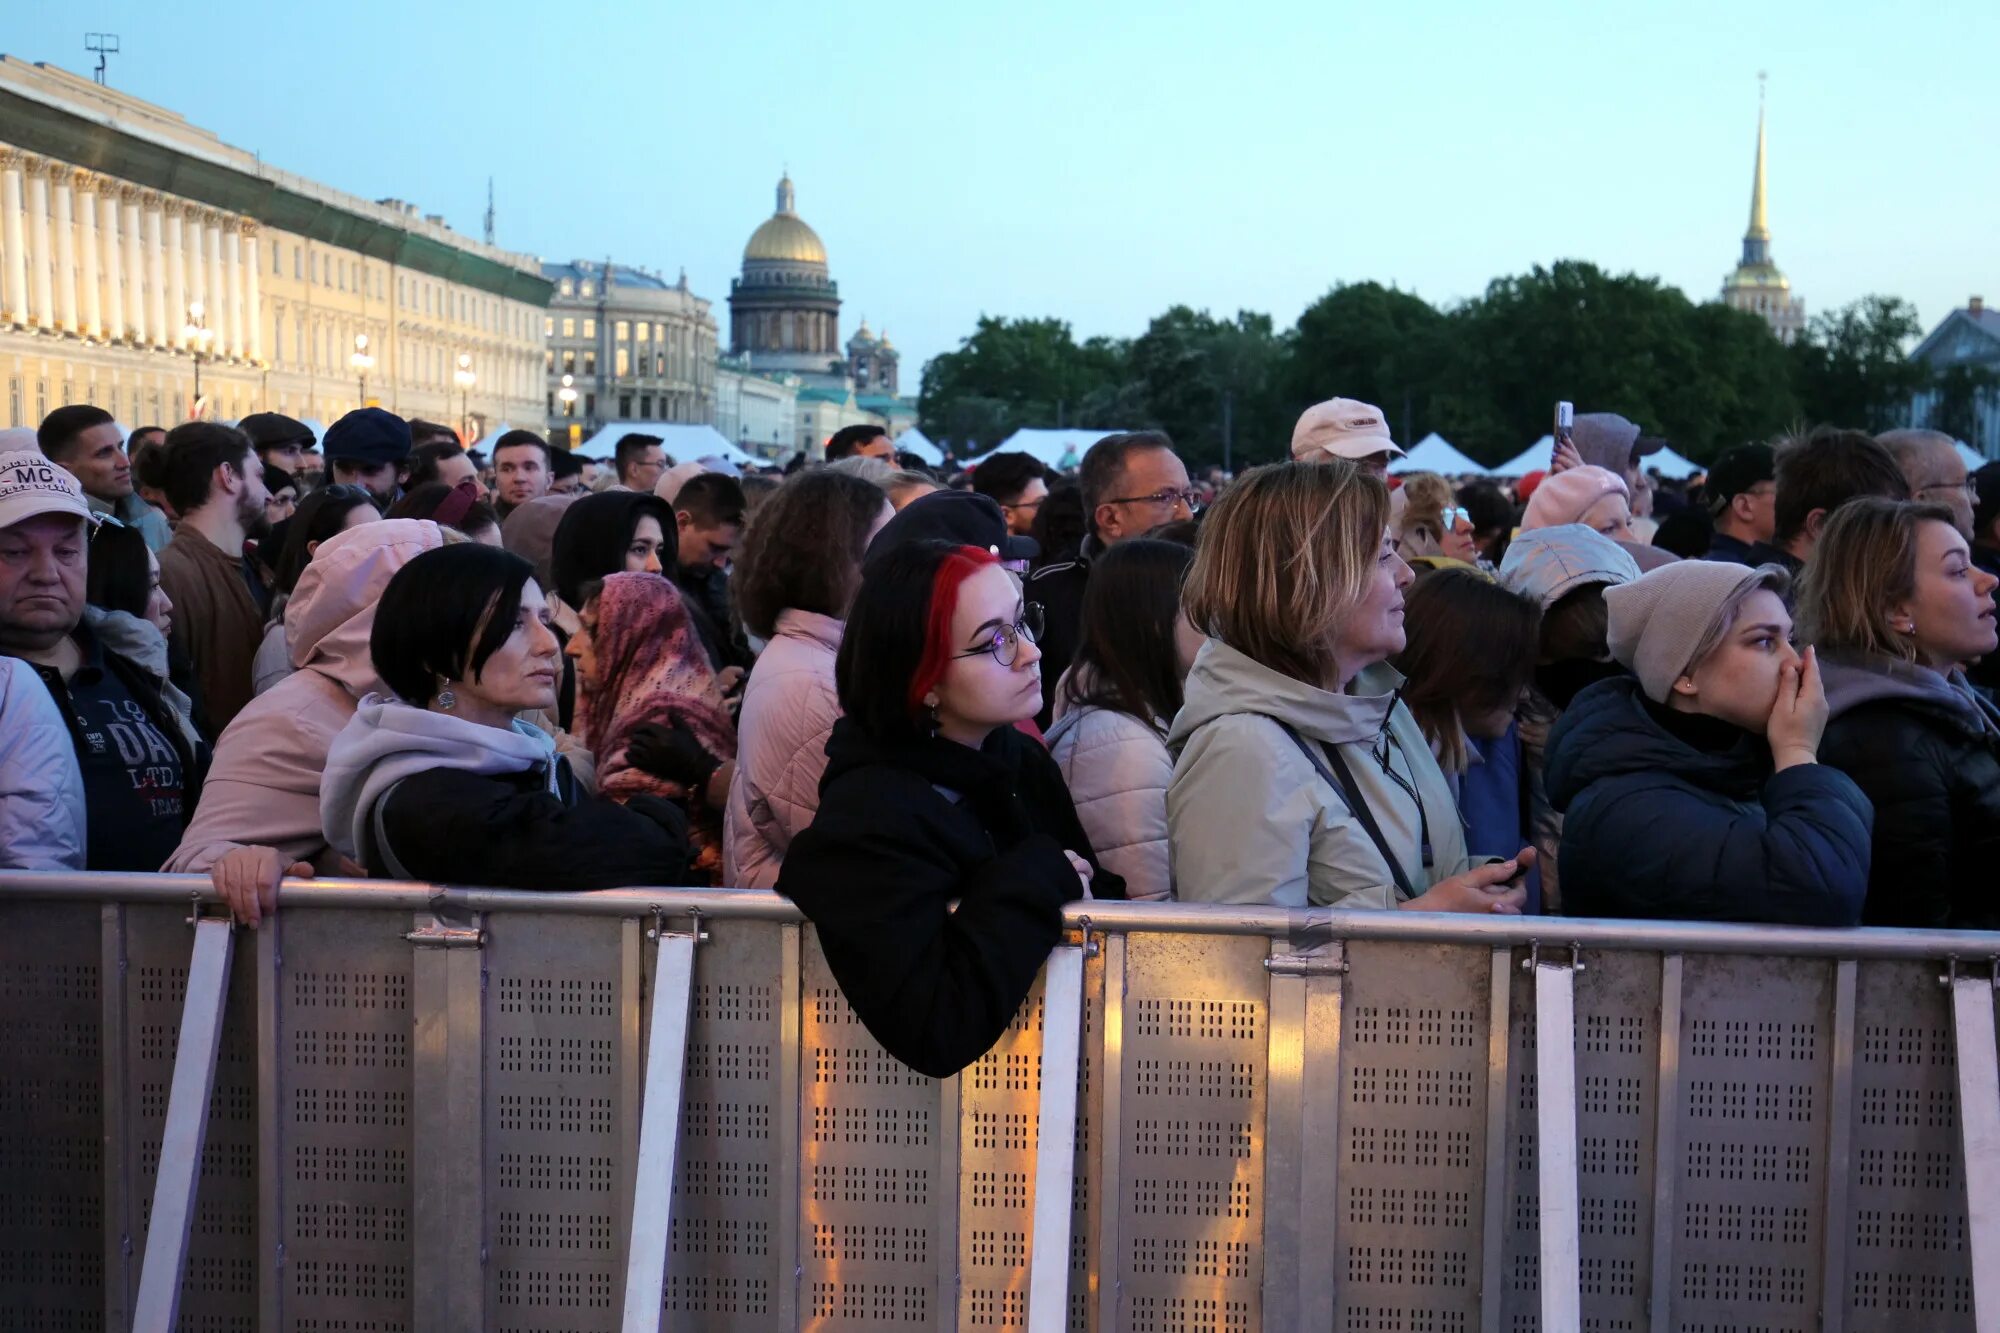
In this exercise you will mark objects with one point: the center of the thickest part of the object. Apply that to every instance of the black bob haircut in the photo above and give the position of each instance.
(434, 609)
(883, 644)
(120, 577)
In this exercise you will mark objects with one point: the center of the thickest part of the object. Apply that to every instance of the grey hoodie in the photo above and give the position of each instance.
(141, 643)
(1252, 821)
(1853, 679)
(387, 741)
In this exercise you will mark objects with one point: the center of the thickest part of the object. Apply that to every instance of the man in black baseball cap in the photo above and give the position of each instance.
(370, 448)
(281, 441)
(1742, 495)
(964, 518)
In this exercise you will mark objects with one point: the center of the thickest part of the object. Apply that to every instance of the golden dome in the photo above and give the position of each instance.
(785, 237)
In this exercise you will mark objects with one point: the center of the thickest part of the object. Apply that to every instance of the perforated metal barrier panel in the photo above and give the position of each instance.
(424, 1121)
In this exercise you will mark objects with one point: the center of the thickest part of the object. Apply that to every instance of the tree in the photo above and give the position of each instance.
(1852, 368)
(1012, 373)
(1199, 375)
(1960, 390)
(1378, 344)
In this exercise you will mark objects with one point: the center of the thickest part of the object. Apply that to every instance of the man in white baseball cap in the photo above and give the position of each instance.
(1345, 428)
(138, 768)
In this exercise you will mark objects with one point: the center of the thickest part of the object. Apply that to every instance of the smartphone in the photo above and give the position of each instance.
(1565, 420)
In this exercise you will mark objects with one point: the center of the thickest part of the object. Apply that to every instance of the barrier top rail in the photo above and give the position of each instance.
(1301, 928)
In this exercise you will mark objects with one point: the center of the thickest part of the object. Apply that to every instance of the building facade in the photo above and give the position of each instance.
(1963, 354)
(1758, 286)
(139, 253)
(756, 410)
(634, 347)
(784, 310)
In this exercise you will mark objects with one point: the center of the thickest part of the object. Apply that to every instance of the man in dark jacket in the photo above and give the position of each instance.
(140, 778)
(1742, 494)
(1132, 483)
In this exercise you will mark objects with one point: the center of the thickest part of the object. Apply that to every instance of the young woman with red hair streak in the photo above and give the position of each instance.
(931, 796)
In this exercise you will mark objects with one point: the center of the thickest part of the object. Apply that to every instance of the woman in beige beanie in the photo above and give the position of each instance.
(1692, 788)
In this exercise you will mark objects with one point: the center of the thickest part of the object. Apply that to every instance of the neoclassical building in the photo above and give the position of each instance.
(635, 348)
(1757, 285)
(139, 253)
(784, 311)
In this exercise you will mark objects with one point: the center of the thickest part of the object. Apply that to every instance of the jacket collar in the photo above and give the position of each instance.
(1226, 681)
(810, 627)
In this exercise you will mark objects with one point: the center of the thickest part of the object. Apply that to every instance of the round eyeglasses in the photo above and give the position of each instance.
(1005, 645)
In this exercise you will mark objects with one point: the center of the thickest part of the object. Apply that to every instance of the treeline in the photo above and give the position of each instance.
(1484, 374)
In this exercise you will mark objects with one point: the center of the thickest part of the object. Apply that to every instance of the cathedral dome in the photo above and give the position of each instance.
(785, 238)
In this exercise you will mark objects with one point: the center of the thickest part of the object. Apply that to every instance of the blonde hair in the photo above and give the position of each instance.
(1285, 555)
(1863, 564)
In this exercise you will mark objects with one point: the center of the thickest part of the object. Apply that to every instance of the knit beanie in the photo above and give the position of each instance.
(1563, 496)
(1659, 619)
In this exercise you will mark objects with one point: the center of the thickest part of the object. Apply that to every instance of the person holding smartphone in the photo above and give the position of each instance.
(1692, 789)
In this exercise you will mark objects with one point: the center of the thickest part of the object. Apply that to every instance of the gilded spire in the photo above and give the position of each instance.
(1760, 222)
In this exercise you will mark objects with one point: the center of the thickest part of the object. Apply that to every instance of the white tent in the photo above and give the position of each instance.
(485, 442)
(1434, 453)
(1534, 458)
(1050, 446)
(1974, 460)
(1670, 465)
(914, 441)
(683, 442)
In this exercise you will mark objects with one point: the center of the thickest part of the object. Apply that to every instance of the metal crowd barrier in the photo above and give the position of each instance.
(398, 1108)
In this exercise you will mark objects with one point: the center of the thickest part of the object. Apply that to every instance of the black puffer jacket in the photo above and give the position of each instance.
(1926, 750)
(901, 831)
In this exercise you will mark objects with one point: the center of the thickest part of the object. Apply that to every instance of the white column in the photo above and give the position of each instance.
(65, 250)
(176, 272)
(232, 265)
(89, 275)
(135, 265)
(41, 292)
(15, 245)
(157, 324)
(254, 308)
(114, 262)
(218, 286)
(197, 275)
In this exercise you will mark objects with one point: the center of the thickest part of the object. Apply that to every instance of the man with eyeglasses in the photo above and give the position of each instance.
(1742, 496)
(1937, 475)
(1132, 483)
(1018, 483)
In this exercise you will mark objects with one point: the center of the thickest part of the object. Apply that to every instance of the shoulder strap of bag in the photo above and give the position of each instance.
(1341, 779)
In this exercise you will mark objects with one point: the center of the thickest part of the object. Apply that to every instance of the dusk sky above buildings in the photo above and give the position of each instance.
(1100, 162)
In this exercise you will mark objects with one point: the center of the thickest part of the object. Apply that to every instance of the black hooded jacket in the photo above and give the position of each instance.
(902, 831)
(1927, 752)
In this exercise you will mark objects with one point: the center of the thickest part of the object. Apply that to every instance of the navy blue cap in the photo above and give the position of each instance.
(964, 518)
(367, 435)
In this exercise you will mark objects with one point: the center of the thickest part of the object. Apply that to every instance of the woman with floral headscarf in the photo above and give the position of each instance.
(649, 706)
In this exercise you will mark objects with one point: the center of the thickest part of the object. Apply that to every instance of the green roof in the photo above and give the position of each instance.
(824, 395)
(41, 128)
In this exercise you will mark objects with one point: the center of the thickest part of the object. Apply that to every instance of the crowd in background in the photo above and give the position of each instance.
(934, 706)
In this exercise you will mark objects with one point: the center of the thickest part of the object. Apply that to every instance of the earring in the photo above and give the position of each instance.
(931, 717)
(447, 700)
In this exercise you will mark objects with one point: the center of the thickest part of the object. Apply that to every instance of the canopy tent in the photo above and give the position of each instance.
(1670, 465)
(1050, 446)
(1534, 458)
(485, 442)
(1434, 453)
(683, 442)
(1974, 460)
(914, 441)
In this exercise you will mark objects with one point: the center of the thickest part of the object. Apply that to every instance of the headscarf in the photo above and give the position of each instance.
(651, 668)
(594, 533)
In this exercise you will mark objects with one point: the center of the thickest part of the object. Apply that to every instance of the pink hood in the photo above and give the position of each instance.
(263, 788)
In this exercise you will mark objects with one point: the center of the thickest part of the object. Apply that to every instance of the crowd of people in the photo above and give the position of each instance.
(933, 707)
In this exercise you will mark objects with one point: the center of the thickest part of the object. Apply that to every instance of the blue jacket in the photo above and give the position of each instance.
(1655, 827)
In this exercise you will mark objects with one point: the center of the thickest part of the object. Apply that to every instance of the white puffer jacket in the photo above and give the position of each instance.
(41, 787)
(1118, 769)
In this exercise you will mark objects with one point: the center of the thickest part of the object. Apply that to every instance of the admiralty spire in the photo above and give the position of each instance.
(1757, 285)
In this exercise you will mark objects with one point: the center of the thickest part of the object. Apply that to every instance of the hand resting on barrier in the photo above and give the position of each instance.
(248, 879)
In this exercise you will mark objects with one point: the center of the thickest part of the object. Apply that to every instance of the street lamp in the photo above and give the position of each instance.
(465, 379)
(362, 363)
(196, 335)
(568, 395)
